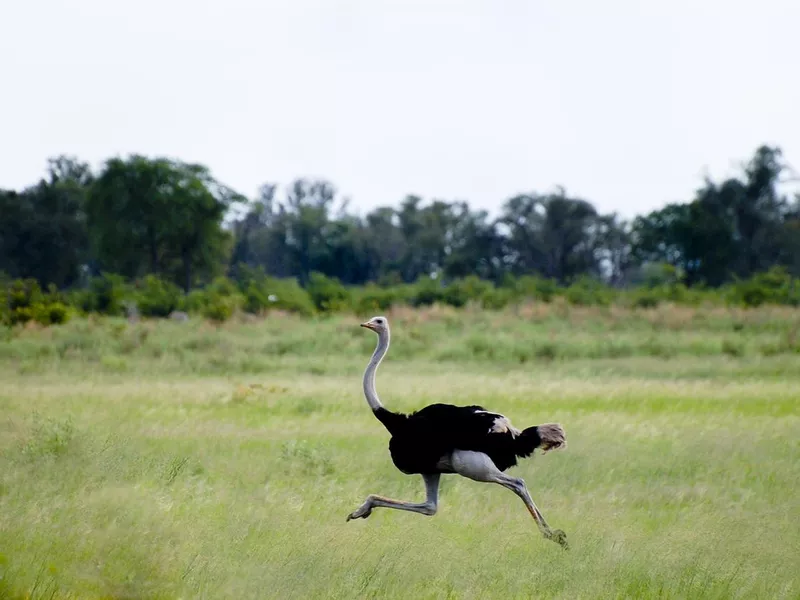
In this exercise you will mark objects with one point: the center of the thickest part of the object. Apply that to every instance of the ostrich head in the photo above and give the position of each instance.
(377, 324)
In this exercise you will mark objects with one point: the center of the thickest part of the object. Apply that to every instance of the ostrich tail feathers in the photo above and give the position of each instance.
(552, 436)
(549, 436)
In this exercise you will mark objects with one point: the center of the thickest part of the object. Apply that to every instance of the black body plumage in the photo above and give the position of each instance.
(420, 439)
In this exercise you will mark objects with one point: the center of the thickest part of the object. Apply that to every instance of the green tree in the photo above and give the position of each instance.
(159, 216)
(260, 236)
(734, 229)
(43, 232)
(550, 235)
(611, 240)
(474, 246)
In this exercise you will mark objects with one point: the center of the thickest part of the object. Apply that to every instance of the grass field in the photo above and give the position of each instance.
(168, 460)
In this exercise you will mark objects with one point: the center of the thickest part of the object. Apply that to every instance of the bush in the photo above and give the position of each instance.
(497, 298)
(775, 286)
(222, 286)
(21, 315)
(256, 298)
(5, 313)
(24, 293)
(286, 294)
(218, 301)
(425, 292)
(156, 297)
(372, 299)
(25, 301)
(262, 293)
(646, 299)
(219, 308)
(660, 275)
(53, 313)
(586, 291)
(537, 288)
(105, 295)
(194, 301)
(462, 291)
(327, 293)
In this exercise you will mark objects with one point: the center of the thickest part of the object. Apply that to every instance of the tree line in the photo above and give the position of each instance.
(139, 216)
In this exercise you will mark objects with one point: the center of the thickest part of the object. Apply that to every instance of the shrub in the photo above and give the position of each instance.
(678, 293)
(219, 301)
(156, 297)
(25, 301)
(327, 293)
(390, 279)
(461, 291)
(24, 293)
(219, 308)
(372, 299)
(21, 315)
(222, 286)
(660, 275)
(286, 294)
(104, 294)
(256, 298)
(194, 301)
(537, 288)
(586, 291)
(497, 298)
(262, 293)
(52, 313)
(426, 291)
(107, 294)
(646, 299)
(775, 286)
(455, 295)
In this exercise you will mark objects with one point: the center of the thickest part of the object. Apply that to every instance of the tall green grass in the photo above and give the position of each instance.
(529, 336)
(198, 460)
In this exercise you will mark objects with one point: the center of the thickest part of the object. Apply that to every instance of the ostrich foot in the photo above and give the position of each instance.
(559, 537)
(362, 512)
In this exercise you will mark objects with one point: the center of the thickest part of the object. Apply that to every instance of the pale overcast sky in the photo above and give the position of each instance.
(624, 102)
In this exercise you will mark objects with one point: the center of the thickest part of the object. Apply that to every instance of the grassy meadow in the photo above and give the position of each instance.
(190, 460)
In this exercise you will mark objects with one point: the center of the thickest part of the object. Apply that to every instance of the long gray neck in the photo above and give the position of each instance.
(369, 375)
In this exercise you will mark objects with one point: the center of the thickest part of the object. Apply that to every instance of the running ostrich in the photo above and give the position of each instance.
(466, 440)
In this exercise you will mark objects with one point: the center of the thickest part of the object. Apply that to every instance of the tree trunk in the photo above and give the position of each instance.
(187, 270)
(151, 239)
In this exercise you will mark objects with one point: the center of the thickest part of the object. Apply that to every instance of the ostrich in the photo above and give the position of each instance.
(466, 440)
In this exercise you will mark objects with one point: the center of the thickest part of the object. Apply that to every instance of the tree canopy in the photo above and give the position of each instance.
(143, 215)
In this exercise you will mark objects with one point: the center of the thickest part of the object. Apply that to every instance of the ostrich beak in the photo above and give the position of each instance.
(367, 325)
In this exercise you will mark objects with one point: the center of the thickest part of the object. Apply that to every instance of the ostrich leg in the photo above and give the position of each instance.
(424, 508)
(479, 467)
